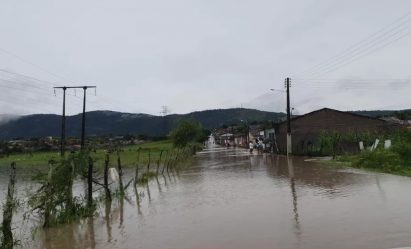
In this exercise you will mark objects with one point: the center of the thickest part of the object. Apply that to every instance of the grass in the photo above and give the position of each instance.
(128, 155)
(395, 160)
(383, 161)
(145, 178)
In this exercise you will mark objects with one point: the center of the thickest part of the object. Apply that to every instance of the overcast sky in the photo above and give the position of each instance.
(195, 55)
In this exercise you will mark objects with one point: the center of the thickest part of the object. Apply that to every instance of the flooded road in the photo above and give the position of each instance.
(230, 199)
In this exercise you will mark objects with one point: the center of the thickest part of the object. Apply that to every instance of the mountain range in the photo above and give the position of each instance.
(119, 123)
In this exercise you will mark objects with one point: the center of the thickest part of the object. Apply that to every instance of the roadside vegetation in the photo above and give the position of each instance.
(53, 202)
(189, 133)
(128, 154)
(394, 160)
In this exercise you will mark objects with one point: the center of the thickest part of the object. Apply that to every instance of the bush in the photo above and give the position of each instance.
(402, 146)
(397, 159)
(330, 142)
(385, 160)
(54, 201)
(188, 132)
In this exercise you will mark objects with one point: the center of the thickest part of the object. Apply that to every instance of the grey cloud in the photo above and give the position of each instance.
(195, 55)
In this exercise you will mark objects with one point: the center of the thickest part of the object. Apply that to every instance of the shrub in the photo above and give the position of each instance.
(385, 160)
(187, 132)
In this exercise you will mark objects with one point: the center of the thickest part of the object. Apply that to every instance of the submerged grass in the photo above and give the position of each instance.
(377, 161)
(146, 177)
(128, 155)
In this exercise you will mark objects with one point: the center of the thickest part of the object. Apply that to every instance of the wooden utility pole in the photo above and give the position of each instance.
(289, 144)
(63, 122)
(83, 119)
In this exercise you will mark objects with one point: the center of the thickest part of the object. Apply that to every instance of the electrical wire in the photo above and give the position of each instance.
(364, 45)
(360, 55)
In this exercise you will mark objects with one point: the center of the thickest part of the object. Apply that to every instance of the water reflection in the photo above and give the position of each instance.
(230, 198)
(148, 192)
(158, 185)
(91, 234)
(137, 197)
(108, 219)
(380, 189)
(76, 235)
(121, 200)
(290, 166)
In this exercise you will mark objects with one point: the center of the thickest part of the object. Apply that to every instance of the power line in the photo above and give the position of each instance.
(40, 99)
(368, 82)
(356, 80)
(352, 51)
(351, 86)
(49, 72)
(105, 98)
(358, 44)
(19, 104)
(24, 84)
(31, 63)
(28, 77)
(361, 55)
(22, 89)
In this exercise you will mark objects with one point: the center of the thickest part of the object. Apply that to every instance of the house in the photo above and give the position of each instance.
(405, 123)
(255, 132)
(233, 135)
(240, 140)
(307, 129)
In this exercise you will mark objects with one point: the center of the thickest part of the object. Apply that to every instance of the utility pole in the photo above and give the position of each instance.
(63, 122)
(83, 121)
(164, 112)
(289, 144)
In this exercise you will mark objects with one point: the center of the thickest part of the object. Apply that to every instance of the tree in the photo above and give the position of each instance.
(187, 132)
(402, 115)
(330, 140)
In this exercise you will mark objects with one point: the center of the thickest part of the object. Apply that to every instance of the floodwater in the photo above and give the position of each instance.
(229, 199)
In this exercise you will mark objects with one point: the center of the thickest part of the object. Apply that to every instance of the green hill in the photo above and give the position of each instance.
(118, 123)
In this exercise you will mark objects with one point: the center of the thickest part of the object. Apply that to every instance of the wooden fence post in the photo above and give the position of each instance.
(159, 160)
(106, 188)
(8, 211)
(137, 165)
(120, 172)
(90, 182)
(149, 160)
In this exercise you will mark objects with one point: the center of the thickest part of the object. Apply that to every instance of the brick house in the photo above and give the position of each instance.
(306, 129)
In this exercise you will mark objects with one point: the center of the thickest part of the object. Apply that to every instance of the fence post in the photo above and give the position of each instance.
(159, 160)
(120, 172)
(8, 210)
(90, 182)
(106, 164)
(137, 165)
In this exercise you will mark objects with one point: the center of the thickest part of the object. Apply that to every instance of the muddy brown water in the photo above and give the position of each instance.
(230, 199)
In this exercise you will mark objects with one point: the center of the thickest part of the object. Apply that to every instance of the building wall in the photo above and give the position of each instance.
(306, 130)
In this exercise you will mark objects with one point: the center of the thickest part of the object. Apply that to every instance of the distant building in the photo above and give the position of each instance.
(256, 132)
(306, 129)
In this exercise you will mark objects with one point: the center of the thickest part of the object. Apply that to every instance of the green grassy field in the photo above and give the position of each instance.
(128, 155)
